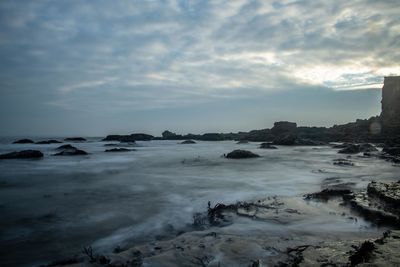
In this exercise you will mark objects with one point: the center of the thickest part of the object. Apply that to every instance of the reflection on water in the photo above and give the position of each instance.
(52, 207)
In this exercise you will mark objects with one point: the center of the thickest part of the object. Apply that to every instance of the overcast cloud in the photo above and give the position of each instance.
(94, 67)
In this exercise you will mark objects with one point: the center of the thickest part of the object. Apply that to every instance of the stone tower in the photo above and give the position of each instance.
(390, 116)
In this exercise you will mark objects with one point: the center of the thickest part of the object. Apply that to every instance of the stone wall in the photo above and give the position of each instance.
(390, 115)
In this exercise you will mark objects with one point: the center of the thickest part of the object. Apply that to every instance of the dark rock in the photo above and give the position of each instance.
(119, 150)
(23, 141)
(328, 193)
(390, 115)
(112, 144)
(167, 135)
(387, 192)
(343, 162)
(71, 152)
(309, 142)
(282, 127)
(75, 139)
(285, 140)
(188, 142)
(24, 154)
(267, 146)
(48, 142)
(241, 154)
(129, 138)
(242, 142)
(67, 146)
(357, 148)
(212, 137)
(393, 151)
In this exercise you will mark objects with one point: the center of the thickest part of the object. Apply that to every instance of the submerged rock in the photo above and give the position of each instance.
(119, 150)
(267, 146)
(241, 154)
(71, 152)
(242, 142)
(357, 148)
(343, 162)
(23, 141)
(48, 142)
(75, 139)
(24, 154)
(67, 146)
(188, 142)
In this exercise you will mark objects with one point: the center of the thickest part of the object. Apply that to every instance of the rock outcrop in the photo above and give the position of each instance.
(23, 141)
(390, 115)
(187, 142)
(282, 127)
(71, 152)
(75, 139)
(24, 154)
(267, 146)
(241, 154)
(48, 142)
(131, 138)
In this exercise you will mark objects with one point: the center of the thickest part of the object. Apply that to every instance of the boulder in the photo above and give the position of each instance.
(285, 140)
(75, 139)
(241, 154)
(343, 162)
(48, 142)
(24, 154)
(71, 152)
(357, 148)
(188, 142)
(267, 146)
(23, 141)
(118, 149)
(63, 147)
(129, 138)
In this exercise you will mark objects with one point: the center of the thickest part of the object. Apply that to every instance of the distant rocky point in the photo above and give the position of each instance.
(24, 141)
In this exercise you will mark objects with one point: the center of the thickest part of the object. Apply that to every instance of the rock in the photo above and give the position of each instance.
(242, 142)
(343, 162)
(48, 142)
(23, 141)
(267, 146)
(188, 142)
(119, 150)
(129, 138)
(309, 142)
(212, 137)
(241, 154)
(75, 139)
(387, 192)
(357, 148)
(328, 193)
(285, 140)
(71, 152)
(67, 146)
(24, 154)
(381, 252)
(390, 115)
(167, 135)
(282, 127)
(393, 151)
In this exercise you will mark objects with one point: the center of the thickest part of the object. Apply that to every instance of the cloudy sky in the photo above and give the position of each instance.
(99, 67)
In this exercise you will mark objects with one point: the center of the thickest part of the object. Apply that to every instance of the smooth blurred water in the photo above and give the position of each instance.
(53, 206)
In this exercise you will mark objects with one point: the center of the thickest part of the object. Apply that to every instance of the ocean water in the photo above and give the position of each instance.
(50, 208)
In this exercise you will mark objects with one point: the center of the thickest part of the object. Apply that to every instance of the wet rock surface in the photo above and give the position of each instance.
(24, 154)
(71, 152)
(75, 139)
(67, 146)
(24, 141)
(267, 146)
(375, 252)
(119, 150)
(188, 142)
(48, 142)
(343, 162)
(357, 148)
(241, 154)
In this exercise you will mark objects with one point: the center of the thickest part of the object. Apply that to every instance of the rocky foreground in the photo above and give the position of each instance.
(211, 243)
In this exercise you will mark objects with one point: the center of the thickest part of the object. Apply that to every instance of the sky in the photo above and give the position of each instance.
(92, 68)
